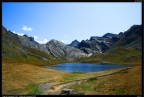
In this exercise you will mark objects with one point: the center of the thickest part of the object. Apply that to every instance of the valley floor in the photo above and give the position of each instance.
(22, 79)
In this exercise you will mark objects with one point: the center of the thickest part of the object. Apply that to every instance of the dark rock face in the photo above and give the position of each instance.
(130, 38)
(85, 43)
(95, 38)
(75, 43)
(95, 45)
(31, 38)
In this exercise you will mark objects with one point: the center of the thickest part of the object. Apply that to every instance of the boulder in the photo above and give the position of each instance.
(67, 91)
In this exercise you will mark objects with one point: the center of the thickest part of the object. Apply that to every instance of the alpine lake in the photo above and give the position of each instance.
(85, 67)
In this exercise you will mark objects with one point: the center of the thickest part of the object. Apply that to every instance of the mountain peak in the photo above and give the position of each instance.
(109, 35)
(75, 40)
(74, 43)
(56, 42)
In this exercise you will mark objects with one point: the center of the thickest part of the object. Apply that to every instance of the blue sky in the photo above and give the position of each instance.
(66, 22)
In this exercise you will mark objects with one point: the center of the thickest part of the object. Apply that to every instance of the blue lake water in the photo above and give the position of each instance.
(84, 67)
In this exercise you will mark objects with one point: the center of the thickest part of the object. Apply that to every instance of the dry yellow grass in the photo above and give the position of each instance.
(15, 77)
(128, 82)
(122, 83)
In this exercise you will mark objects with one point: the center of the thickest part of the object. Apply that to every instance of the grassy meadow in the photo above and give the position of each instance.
(24, 77)
(125, 82)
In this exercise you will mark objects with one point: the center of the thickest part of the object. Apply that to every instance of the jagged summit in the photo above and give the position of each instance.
(109, 35)
(19, 44)
(75, 43)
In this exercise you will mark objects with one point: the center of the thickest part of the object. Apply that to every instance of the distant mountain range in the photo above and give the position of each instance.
(14, 46)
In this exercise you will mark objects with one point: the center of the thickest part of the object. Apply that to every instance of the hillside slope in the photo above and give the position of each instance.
(23, 49)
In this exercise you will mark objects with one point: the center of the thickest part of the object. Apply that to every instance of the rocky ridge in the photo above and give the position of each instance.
(85, 48)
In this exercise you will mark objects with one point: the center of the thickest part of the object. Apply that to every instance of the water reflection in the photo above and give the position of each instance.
(82, 67)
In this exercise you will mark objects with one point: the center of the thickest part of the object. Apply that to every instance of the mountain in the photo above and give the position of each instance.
(19, 46)
(132, 38)
(97, 44)
(74, 43)
(109, 35)
(94, 46)
(29, 42)
(25, 48)
(59, 50)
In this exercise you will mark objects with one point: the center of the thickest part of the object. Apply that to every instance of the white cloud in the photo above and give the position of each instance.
(25, 28)
(14, 32)
(21, 34)
(43, 41)
(35, 37)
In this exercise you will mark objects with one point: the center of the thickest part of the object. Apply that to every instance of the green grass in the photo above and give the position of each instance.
(33, 89)
(34, 57)
(38, 53)
(123, 71)
(117, 55)
(118, 91)
(72, 77)
(124, 82)
(85, 87)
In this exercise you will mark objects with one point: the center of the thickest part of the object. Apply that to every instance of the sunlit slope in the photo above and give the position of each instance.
(117, 55)
(14, 51)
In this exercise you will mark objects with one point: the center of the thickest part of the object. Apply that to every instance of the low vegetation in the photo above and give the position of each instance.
(21, 75)
(125, 82)
(115, 55)
(22, 79)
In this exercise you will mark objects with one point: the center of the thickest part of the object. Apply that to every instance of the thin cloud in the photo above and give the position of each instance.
(21, 34)
(43, 41)
(25, 28)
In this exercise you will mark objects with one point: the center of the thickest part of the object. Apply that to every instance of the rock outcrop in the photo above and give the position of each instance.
(29, 42)
(132, 38)
(59, 50)
(95, 45)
